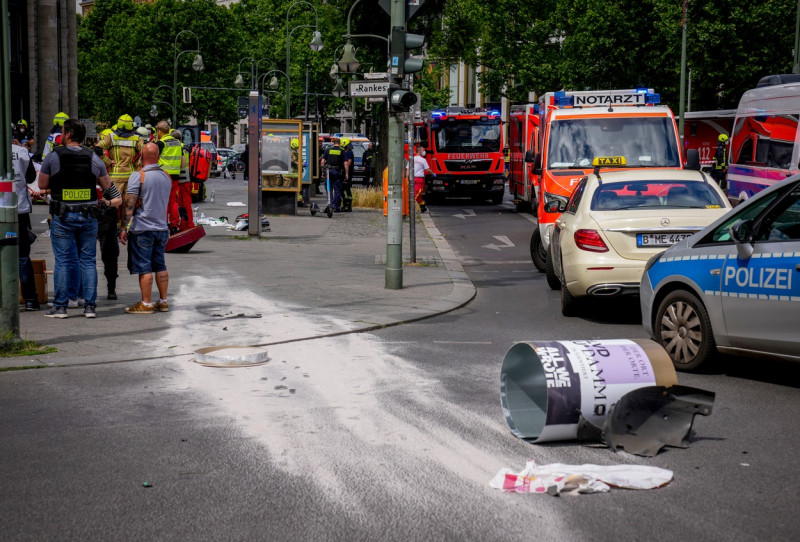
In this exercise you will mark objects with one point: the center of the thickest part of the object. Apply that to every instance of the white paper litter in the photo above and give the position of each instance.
(235, 204)
(208, 221)
(557, 478)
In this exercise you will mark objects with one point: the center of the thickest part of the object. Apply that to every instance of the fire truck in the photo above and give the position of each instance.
(523, 137)
(576, 127)
(464, 148)
(701, 130)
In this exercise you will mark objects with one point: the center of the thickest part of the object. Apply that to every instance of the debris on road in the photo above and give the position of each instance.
(558, 478)
(620, 392)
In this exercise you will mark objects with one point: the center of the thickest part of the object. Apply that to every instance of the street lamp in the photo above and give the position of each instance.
(197, 65)
(348, 62)
(316, 45)
(339, 91)
(154, 109)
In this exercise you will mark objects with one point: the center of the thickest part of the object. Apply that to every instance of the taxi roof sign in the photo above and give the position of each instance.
(594, 98)
(609, 161)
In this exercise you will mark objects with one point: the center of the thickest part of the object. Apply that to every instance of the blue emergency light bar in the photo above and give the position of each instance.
(638, 96)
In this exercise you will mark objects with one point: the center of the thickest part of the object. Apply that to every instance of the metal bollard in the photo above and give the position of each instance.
(9, 263)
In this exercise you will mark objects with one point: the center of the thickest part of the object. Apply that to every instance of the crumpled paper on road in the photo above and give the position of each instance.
(210, 221)
(557, 478)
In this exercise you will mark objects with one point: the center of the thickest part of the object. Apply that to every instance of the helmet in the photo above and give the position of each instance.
(723, 138)
(141, 131)
(59, 119)
(295, 143)
(114, 128)
(125, 122)
(23, 122)
(345, 142)
(105, 132)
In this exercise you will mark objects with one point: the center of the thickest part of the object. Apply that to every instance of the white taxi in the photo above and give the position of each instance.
(616, 220)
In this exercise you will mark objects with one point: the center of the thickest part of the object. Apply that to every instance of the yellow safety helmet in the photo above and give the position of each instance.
(59, 119)
(105, 132)
(114, 128)
(22, 122)
(125, 122)
(723, 138)
(345, 142)
(295, 143)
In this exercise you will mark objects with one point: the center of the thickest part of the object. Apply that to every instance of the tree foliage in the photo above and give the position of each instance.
(127, 50)
(579, 44)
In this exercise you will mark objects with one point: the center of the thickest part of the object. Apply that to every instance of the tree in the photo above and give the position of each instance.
(578, 44)
(127, 50)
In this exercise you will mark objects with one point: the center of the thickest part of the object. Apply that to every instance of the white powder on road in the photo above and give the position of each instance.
(326, 408)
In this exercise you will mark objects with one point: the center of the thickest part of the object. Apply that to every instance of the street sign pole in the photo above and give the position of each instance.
(394, 214)
(253, 165)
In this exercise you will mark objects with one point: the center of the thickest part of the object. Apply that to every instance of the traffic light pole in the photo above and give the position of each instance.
(394, 214)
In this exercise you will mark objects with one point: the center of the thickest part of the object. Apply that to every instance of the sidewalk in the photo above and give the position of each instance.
(308, 277)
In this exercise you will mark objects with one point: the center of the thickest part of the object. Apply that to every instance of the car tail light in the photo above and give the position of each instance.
(590, 240)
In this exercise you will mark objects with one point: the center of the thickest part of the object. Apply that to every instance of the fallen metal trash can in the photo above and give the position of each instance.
(545, 386)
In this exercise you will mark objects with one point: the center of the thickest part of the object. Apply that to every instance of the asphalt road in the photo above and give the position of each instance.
(386, 436)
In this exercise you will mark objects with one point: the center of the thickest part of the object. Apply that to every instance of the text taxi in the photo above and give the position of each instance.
(732, 287)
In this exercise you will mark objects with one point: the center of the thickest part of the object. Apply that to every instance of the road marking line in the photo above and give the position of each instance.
(462, 342)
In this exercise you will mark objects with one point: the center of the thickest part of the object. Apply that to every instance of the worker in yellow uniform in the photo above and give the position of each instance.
(170, 158)
(54, 138)
(121, 149)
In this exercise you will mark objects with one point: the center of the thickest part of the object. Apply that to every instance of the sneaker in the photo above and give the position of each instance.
(32, 305)
(140, 308)
(161, 306)
(89, 311)
(57, 312)
(75, 303)
(423, 209)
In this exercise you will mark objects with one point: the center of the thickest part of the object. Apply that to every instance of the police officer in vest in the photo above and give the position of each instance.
(347, 184)
(169, 159)
(71, 172)
(123, 152)
(719, 169)
(334, 160)
(54, 138)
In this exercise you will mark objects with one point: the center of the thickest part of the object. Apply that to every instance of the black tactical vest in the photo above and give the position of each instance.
(74, 182)
(335, 158)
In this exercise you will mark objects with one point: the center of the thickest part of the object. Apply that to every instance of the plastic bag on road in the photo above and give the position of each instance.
(557, 478)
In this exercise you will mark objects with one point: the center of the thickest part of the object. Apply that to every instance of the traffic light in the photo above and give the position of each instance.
(401, 99)
(402, 43)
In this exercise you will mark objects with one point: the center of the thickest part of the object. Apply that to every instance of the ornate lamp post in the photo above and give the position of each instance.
(197, 64)
(316, 45)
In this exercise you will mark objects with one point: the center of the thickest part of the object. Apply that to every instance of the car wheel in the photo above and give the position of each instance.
(569, 304)
(538, 252)
(683, 328)
(550, 273)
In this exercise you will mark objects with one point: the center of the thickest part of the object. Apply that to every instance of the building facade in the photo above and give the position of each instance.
(44, 58)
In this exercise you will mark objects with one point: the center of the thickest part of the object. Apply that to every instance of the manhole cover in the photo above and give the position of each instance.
(231, 356)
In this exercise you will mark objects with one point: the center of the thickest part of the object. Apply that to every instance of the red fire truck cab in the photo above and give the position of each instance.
(464, 148)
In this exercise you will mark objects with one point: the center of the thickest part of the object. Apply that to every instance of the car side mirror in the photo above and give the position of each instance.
(693, 160)
(537, 163)
(555, 206)
(742, 234)
(530, 156)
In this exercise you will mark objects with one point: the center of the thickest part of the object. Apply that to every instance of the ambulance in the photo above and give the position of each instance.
(576, 127)
(765, 145)
(523, 138)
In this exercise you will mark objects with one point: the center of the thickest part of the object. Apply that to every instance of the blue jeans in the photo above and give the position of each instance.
(74, 241)
(337, 180)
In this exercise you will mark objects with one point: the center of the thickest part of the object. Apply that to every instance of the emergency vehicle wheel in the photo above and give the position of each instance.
(538, 252)
(550, 273)
(497, 199)
(683, 328)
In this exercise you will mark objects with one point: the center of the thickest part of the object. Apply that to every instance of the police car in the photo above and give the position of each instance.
(733, 287)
